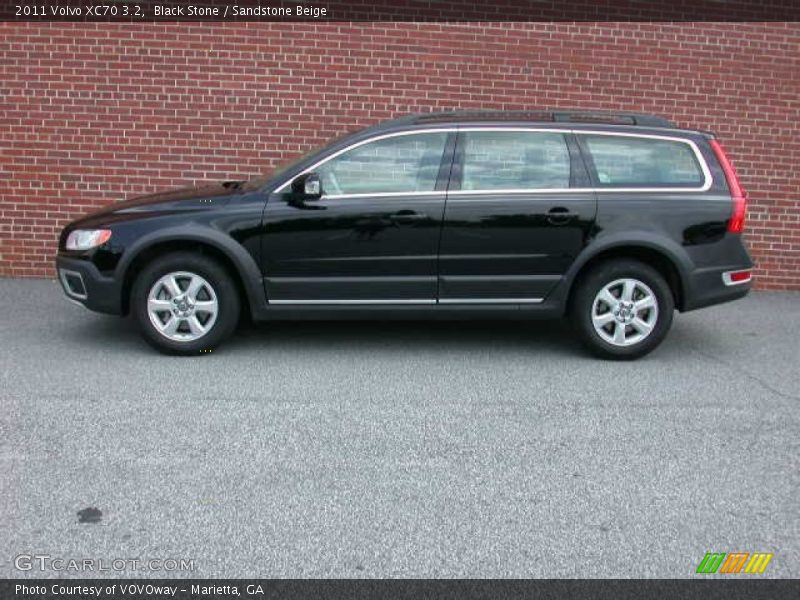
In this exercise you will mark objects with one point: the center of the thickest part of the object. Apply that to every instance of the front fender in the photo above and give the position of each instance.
(244, 263)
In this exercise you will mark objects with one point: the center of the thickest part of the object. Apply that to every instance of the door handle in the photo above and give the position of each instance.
(406, 216)
(560, 215)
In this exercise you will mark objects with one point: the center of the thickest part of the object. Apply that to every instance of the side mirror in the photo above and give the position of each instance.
(307, 186)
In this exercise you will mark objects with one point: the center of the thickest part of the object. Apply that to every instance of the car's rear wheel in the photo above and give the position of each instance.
(623, 309)
(185, 303)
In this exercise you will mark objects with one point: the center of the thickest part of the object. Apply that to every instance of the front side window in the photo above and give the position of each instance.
(643, 162)
(514, 160)
(398, 164)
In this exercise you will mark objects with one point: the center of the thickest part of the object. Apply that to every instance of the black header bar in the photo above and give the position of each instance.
(733, 588)
(398, 10)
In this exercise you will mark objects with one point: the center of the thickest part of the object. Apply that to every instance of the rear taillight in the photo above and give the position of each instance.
(738, 195)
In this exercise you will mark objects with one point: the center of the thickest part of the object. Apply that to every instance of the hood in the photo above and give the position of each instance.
(183, 198)
(175, 201)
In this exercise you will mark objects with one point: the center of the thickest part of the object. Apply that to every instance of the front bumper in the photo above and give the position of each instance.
(83, 283)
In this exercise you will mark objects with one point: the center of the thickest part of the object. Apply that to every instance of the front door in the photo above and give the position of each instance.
(372, 238)
(518, 213)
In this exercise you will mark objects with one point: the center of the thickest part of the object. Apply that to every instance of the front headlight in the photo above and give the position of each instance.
(86, 239)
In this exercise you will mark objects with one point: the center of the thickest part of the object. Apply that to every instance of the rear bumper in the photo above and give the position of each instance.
(710, 286)
(84, 284)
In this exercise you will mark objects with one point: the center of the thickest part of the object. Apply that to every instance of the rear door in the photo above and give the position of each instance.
(519, 210)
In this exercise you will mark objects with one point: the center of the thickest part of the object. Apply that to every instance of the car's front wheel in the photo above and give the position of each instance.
(185, 303)
(622, 309)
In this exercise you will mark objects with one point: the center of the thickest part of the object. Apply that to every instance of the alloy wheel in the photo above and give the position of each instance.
(182, 306)
(625, 312)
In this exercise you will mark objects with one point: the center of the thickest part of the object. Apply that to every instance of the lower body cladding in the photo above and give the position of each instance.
(703, 287)
(84, 284)
(454, 309)
(716, 285)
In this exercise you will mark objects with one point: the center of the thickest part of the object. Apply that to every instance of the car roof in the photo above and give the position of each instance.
(630, 121)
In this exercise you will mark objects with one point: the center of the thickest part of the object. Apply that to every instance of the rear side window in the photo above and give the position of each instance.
(514, 160)
(643, 162)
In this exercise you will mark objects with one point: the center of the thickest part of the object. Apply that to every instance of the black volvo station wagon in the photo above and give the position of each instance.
(615, 219)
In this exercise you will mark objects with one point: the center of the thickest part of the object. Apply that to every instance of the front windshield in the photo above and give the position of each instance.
(285, 166)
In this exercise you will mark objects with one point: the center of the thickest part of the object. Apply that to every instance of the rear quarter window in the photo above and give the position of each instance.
(622, 161)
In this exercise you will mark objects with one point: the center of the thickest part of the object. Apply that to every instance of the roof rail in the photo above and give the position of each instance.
(564, 116)
(622, 118)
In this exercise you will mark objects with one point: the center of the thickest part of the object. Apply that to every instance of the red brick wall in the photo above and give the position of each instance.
(93, 113)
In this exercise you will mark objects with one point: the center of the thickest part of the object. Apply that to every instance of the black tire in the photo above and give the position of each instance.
(583, 309)
(224, 293)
